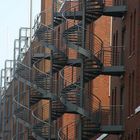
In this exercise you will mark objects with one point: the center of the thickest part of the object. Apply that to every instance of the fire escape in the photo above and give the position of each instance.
(5, 98)
(62, 94)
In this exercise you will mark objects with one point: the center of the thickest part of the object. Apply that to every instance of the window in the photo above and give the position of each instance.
(114, 43)
(121, 103)
(133, 92)
(129, 95)
(134, 30)
(116, 49)
(123, 43)
(130, 36)
(114, 100)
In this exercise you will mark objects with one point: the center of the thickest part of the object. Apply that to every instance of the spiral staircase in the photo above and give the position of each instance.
(91, 55)
(41, 83)
(94, 55)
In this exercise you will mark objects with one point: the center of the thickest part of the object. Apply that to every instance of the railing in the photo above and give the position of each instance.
(114, 2)
(42, 118)
(39, 114)
(71, 93)
(92, 104)
(69, 132)
(43, 18)
(22, 45)
(23, 70)
(113, 56)
(21, 110)
(58, 5)
(46, 34)
(112, 115)
(46, 17)
(38, 76)
(7, 74)
(93, 43)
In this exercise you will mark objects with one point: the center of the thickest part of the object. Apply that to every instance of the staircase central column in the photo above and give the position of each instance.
(83, 9)
(51, 72)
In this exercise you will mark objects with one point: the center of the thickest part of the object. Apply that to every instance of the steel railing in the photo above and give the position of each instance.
(113, 56)
(112, 115)
(69, 132)
(114, 2)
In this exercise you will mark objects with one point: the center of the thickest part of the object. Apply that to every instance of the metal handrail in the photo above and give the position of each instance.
(112, 3)
(112, 115)
(14, 100)
(37, 118)
(60, 132)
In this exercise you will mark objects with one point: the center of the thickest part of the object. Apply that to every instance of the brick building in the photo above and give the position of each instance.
(125, 90)
(70, 84)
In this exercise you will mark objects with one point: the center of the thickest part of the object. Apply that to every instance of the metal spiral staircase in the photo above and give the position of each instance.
(42, 83)
(94, 56)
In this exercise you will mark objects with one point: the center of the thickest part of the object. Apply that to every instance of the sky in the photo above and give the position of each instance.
(13, 15)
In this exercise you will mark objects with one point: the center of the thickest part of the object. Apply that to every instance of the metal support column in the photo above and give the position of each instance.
(0, 102)
(24, 102)
(51, 73)
(16, 54)
(2, 93)
(82, 66)
(30, 58)
(17, 124)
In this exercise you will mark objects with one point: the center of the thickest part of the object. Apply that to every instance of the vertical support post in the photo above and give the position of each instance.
(83, 29)
(13, 87)
(9, 115)
(18, 99)
(83, 46)
(5, 76)
(31, 8)
(51, 73)
(4, 114)
(2, 100)
(24, 101)
(30, 59)
(4, 117)
(0, 103)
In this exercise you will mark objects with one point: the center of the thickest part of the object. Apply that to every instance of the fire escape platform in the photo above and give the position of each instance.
(112, 129)
(113, 70)
(74, 62)
(115, 11)
(42, 138)
(41, 55)
(37, 137)
(44, 94)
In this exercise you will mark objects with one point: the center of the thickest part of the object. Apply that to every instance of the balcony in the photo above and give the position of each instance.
(112, 119)
(113, 60)
(116, 8)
